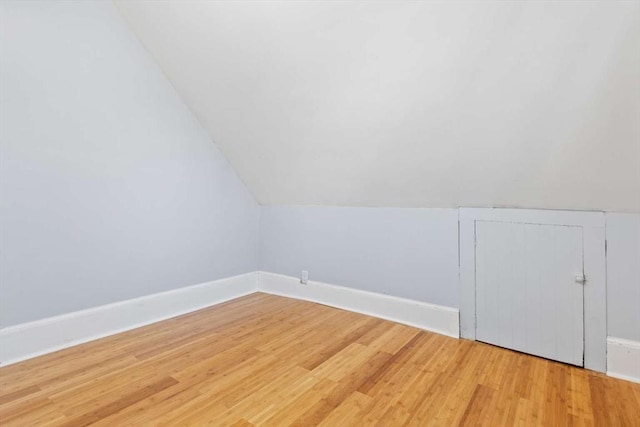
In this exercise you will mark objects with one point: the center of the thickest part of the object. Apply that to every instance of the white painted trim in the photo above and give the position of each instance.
(36, 338)
(535, 216)
(431, 317)
(595, 290)
(27, 340)
(623, 359)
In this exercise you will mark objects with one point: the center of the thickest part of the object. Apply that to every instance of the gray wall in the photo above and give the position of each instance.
(413, 253)
(623, 276)
(409, 253)
(110, 187)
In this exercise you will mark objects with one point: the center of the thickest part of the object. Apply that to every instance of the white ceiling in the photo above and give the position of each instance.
(416, 104)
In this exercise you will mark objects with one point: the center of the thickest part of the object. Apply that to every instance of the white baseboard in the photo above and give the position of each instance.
(33, 339)
(623, 359)
(431, 317)
(28, 340)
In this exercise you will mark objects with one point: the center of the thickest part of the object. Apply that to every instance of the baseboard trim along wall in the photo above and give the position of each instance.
(27, 340)
(623, 359)
(431, 317)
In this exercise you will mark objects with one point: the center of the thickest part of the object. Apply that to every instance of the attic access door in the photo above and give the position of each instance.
(529, 288)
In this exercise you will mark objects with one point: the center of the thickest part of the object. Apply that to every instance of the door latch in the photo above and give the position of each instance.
(579, 278)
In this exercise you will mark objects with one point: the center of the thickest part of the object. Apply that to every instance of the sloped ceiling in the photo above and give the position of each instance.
(416, 104)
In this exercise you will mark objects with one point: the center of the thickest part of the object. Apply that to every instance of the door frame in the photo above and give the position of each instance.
(594, 258)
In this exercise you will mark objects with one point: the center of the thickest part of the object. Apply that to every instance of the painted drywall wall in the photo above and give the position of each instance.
(110, 188)
(98, 152)
(623, 276)
(408, 253)
(413, 253)
(413, 103)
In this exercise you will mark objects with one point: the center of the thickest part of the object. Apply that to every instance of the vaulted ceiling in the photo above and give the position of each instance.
(408, 103)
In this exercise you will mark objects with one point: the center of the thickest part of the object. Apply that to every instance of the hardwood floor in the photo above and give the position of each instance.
(267, 360)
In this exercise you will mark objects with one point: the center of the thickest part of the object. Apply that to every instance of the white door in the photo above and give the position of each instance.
(529, 292)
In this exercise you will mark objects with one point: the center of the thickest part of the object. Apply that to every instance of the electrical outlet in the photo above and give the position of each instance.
(304, 277)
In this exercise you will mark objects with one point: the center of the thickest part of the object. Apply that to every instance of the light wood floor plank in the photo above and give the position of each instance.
(264, 360)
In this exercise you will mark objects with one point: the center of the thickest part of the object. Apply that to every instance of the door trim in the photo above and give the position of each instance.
(594, 258)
